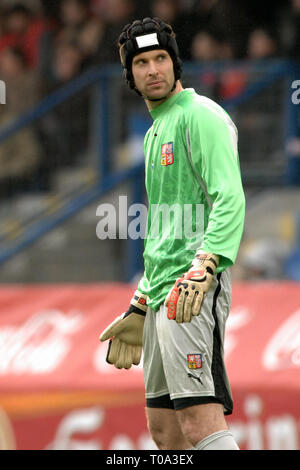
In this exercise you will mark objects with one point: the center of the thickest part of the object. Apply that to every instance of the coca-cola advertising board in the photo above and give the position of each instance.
(58, 392)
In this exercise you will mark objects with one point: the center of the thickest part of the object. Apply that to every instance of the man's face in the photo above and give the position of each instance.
(153, 73)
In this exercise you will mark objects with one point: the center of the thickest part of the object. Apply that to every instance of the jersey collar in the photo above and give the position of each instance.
(165, 106)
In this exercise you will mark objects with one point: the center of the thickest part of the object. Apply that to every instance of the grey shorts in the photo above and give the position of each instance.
(184, 362)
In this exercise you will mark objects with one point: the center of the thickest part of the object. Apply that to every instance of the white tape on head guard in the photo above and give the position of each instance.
(147, 40)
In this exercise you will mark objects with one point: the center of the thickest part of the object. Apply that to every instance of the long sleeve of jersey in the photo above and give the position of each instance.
(212, 147)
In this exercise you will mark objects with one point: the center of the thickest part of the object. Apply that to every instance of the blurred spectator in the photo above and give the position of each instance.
(64, 131)
(116, 14)
(118, 11)
(22, 83)
(226, 19)
(262, 44)
(24, 30)
(74, 13)
(20, 155)
(231, 81)
(167, 10)
(97, 6)
(142, 8)
(205, 47)
(67, 63)
(78, 24)
(90, 38)
(289, 29)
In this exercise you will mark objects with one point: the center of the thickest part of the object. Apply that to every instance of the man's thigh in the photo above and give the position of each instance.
(183, 429)
(165, 429)
(199, 421)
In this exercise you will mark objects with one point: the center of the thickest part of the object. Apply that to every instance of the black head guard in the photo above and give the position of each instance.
(146, 35)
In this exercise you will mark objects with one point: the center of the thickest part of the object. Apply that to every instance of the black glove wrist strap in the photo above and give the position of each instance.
(134, 309)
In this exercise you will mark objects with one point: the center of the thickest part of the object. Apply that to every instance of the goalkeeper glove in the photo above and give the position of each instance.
(185, 298)
(125, 334)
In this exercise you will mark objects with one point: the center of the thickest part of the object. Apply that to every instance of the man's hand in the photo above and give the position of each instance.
(125, 334)
(185, 298)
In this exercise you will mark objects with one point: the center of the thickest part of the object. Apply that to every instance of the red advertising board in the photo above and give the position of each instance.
(57, 391)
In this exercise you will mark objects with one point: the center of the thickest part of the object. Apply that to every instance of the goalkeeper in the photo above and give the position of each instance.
(179, 310)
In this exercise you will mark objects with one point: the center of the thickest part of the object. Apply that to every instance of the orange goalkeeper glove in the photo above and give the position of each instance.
(185, 298)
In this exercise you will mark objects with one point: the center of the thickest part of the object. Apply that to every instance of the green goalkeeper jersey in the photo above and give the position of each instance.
(194, 188)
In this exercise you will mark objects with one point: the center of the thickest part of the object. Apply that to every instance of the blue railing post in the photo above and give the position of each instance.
(135, 248)
(103, 137)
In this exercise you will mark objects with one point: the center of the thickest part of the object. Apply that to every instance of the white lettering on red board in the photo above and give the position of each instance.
(279, 431)
(283, 349)
(40, 344)
(87, 421)
(82, 421)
